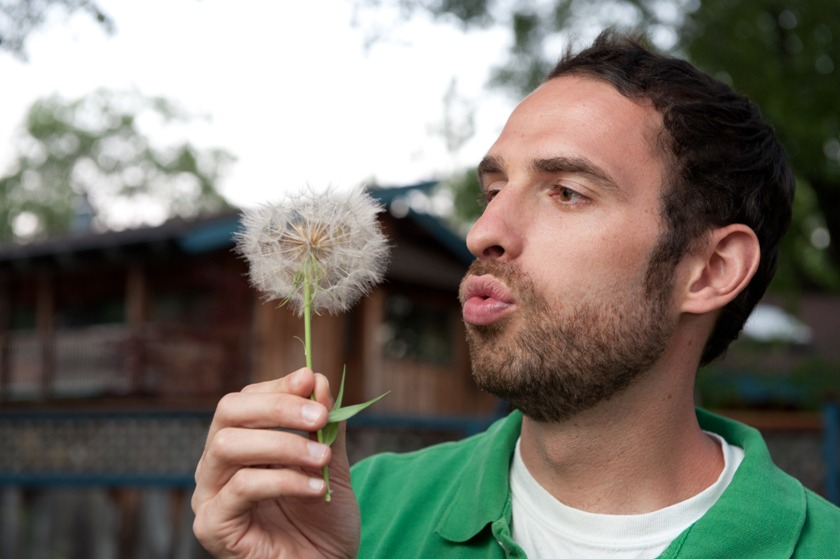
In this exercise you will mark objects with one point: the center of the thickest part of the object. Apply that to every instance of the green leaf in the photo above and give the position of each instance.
(340, 396)
(330, 431)
(342, 414)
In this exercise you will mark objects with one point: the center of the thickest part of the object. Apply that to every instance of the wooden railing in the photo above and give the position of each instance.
(113, 360)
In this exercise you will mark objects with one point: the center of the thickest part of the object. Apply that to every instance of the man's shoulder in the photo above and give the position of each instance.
(411, 471)
(820, 535)
(821, 508)
(441, 469)
(429, 461)
(785, 516)
(416, 504)
(437, 456)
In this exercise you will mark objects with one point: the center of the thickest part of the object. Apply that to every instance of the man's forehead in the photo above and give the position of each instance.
(593, 89)
(583, 124)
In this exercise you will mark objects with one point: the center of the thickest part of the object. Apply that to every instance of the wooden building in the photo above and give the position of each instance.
(115, 348)
(164, 317)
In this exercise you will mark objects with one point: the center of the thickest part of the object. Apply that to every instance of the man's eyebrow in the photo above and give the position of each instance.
(575, 165)
(492, 164)
(489, 164)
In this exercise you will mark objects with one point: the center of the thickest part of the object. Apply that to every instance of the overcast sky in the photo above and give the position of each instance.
(287, 87)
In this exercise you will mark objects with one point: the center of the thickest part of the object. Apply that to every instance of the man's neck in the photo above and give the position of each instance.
(630, 455)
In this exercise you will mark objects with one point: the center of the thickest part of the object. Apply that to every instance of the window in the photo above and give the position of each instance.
(417, 331)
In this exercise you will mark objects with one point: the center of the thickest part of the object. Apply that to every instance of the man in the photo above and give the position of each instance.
(634, 211)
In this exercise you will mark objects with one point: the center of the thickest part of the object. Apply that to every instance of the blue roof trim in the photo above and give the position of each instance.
(214, 233)
(209, 237)
(220, 234)
(450, 240)
(105, 479)
(387, 194)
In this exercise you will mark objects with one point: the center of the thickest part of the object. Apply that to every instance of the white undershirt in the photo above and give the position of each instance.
(546, 528)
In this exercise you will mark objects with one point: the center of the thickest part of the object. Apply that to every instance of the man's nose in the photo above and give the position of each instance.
(498, 232)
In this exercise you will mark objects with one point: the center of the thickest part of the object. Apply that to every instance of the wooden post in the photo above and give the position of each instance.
(831, 441)
(5, 335)
(136, 317)
(375, 381)
(11, 521)
(136, 296)
(45, 320)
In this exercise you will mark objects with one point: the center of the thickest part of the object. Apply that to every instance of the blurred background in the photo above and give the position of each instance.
(132, 133)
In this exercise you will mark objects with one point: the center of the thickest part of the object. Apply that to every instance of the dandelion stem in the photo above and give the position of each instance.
(307, 350)
(307, 320)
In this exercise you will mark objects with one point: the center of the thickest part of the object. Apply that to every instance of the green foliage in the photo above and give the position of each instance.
(470, 12)
(801, 264)
(786, 57)
(96, 151)
(807, 385)
(465, 190)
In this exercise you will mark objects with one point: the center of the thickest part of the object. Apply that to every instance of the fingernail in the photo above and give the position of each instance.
(316, 450)
(316, 484)
(310, 412)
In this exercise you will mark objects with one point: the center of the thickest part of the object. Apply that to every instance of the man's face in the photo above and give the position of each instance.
(558, 317)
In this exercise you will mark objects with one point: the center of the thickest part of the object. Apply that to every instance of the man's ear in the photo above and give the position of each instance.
(720, 268)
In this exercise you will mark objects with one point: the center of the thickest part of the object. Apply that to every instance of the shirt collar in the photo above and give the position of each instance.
(483, 483)
(760, 514)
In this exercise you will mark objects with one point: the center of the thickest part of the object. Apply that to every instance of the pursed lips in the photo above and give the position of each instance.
(485, 299)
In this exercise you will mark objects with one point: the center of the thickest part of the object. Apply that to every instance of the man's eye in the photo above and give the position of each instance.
(566, 194)
(487, 196)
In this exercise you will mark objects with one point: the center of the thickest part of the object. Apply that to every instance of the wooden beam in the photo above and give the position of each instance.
(776, 420)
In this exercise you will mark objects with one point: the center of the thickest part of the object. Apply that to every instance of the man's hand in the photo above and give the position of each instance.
(259, 489)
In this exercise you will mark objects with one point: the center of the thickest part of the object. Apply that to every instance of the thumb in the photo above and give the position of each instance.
(339, 447)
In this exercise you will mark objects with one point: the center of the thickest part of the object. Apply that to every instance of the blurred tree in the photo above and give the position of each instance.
(466, 198)
(19, 18)
(786, 57)
(783, 55)
(461, 186)
(90, 163)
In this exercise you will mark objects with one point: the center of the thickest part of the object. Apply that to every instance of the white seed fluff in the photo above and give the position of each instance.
(334, 238)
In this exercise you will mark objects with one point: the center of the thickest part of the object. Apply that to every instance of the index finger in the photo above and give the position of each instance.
(280, 403)
(302, 382)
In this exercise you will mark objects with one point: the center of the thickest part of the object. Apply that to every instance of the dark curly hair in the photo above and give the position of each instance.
(726, 165)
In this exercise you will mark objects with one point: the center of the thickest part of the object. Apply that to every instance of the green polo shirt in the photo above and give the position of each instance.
(453, 500)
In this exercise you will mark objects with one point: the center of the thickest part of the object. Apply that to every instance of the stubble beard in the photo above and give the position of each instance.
(564, 359)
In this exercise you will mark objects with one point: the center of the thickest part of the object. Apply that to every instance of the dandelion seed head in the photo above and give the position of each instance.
(333, 238)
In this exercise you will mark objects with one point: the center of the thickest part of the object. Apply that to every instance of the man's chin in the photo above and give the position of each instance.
(535, 408)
